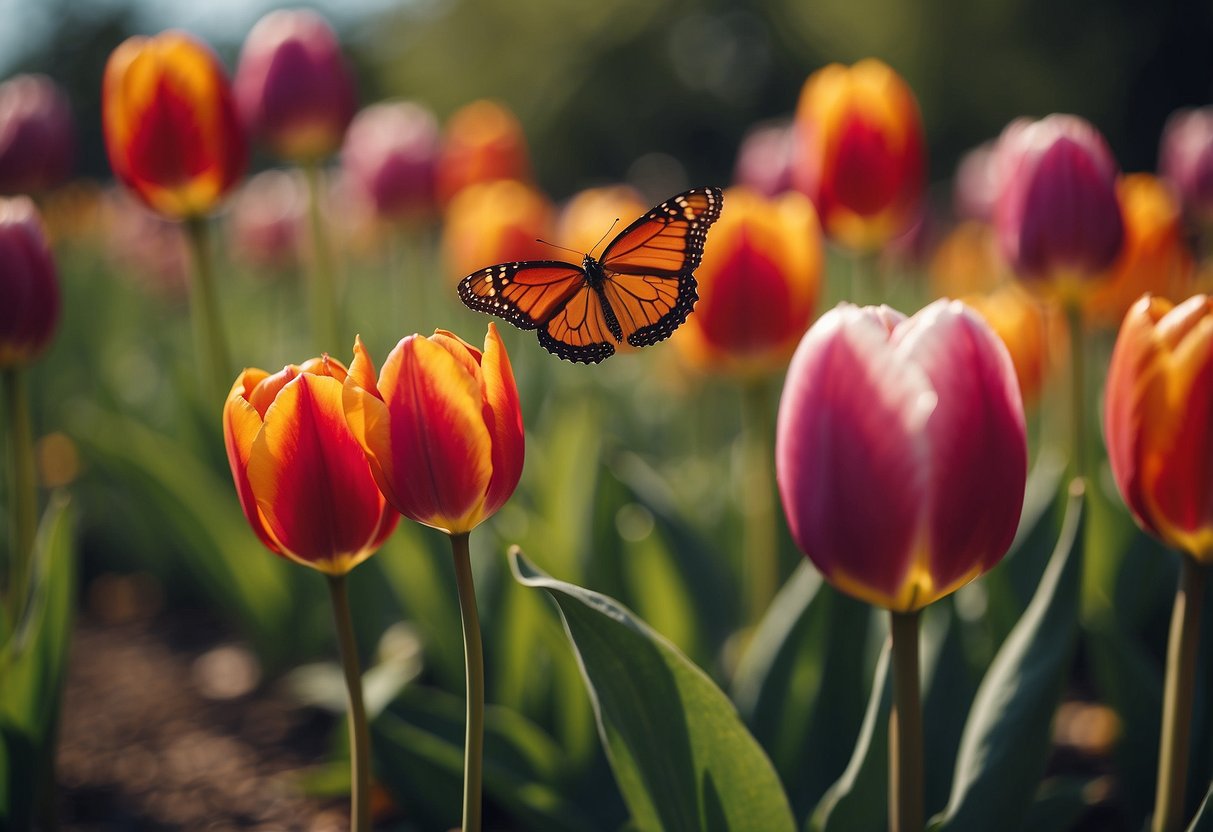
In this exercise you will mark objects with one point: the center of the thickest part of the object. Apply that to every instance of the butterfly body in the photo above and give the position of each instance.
(638, 292)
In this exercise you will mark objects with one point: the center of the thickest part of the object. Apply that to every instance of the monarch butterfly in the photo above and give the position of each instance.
(640, 290)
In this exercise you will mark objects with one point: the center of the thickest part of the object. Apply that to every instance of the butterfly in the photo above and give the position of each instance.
(639, 291)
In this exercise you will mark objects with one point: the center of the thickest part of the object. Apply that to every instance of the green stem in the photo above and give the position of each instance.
(23, 489)
(1078, 408)
(760, 556)
(323, 296)
(360, 738)
(474, 657)
(209, 341)
(1177, 696)
(905, 728)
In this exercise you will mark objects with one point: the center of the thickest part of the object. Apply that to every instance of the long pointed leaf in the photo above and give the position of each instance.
(681, 756)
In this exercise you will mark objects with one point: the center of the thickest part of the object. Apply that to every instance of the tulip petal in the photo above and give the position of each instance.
(311, 480)
(978, 462)
(241, 423)
(503, 413)
(850, 437)
(438, 455)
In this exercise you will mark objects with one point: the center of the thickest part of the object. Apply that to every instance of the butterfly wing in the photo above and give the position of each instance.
(550, 296)
(650, 282)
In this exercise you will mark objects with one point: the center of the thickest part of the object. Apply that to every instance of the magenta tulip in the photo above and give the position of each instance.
(1186, 160)
(37, 135)
(390, 154)
(901, 452)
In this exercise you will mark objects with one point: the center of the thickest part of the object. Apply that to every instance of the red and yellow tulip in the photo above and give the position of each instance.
(483, 141)
(441, 427)
(495, 222)
(916, 422)
(170, 124)
(302, 478)
(758, 284)
(859, 152)
(1158, 409)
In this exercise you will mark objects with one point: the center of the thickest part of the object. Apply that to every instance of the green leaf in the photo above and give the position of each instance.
(33, 662)
(800, 686)
(418, 743)
(1007, 737)
(1203, 822)
(681, 756)
(858, 800)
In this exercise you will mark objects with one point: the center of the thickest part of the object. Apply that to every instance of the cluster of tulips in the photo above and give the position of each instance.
(900, 450)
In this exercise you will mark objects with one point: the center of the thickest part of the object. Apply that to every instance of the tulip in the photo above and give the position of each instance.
(308, 493)
(482, 142)
(1034, 338)
(859, 153)
(496, 222)
(303, 481)
(170, 124)
(924, 416)
(37, 135)
(975, 188)
(1158, 409)
(901, 457)
(442, 430)
(292, 86)
(1186, 161)
(758, 284)
(1154, 258)
(29, 287)
(389, 155)
(764, 161)
(1057, 215)
(593, 216)
(266, 226)
(29, 312)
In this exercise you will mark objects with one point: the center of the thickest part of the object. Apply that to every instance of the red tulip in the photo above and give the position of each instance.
(293, 88)
(303, 481)
(901, 452)
(170, 125)
(29, 287)
(37, 138)
(441, 427)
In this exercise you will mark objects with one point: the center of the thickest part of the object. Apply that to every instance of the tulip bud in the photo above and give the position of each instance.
(37, 135)
(764, 161)
(441, 427)
(758, 284)
(975, 188)
(29, 287)
(1057, 215)
(1154, 257)
(389, 156)
(170, 124)
(302, 479)
(483, 142)
(1186, 160)
(901, 452)
(859, 153)
(292, 86)
(1158, 409)
(496, 222)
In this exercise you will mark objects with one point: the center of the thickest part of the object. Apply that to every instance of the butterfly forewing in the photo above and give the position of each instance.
(669, 239)
(526, 294)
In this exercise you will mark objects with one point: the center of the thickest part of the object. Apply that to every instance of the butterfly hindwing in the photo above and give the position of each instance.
(640, 292)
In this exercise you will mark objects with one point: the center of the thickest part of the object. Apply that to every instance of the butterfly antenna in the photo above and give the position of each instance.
(562, 248)
(604, 236)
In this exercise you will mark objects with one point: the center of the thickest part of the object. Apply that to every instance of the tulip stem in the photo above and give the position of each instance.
(23, 489)
(360, 738)
(760, 556)
(1078, 408)
(1177, 696)
(474, 657)
(209, 341)
(325, 327)
(905, 728)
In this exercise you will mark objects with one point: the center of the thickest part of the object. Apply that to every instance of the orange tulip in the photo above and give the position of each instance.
(441, 427)
(591, 213)
(1158, 408)
(859, 153)
(495, 222)
(758, 283)
(303, 481)
(170, 124)
(1154, 257)
(1034, 338)
(967, 261)
(482, 142)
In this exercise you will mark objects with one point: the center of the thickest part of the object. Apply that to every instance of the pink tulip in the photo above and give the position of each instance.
(1186, 160)
(901, 453)
(389, 156)
(37, 135)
